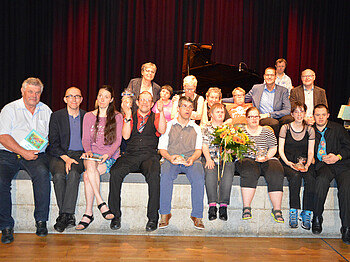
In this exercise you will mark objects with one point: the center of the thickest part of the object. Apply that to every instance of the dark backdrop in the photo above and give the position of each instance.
(89, 43)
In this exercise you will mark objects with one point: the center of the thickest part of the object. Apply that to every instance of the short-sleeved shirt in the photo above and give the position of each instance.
(284, 81)
(181, 140)
(17, 121)
(208, 137)
(296, 143)
(264, 141)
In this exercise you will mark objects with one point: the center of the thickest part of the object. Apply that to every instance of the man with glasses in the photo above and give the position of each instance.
(308, 94)
(272, 101)
(181, 147)
(141, 130)
(18, 119)
(65, 132)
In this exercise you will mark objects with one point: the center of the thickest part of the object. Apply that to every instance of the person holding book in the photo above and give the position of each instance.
(18, 119)
(102, 135)
(66, 148)
(296, 149)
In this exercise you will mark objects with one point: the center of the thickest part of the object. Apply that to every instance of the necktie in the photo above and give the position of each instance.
(321, 151)
(143, 123)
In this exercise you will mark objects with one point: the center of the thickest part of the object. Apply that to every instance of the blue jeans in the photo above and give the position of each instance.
(38, 170)
(195, 175)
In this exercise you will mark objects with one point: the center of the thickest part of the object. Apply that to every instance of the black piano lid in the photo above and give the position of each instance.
(197, 62)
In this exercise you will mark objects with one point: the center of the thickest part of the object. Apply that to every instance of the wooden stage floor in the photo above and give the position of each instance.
(72, 247)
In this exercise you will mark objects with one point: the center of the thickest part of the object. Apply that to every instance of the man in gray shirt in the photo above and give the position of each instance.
(181, 146)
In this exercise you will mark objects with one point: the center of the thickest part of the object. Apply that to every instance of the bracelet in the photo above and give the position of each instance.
(340, 157)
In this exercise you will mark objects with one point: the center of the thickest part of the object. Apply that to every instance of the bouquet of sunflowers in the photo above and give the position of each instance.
(233, 143)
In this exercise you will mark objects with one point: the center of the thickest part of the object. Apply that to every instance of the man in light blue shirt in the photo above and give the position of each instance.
(272, 101)
(17, 120)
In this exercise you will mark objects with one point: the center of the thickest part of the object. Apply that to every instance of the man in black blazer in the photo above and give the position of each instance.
(308, 94)
(65, 132)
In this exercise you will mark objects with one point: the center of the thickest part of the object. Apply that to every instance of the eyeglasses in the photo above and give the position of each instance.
(253, 117)
(187, 106)
(144, 100)
(308, 76)
(71, 97)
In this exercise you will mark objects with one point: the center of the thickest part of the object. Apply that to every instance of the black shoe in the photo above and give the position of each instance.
(212, 213)
(223, 213)
(70, 221)
(345, 234)
(115, 223)
(7, 235)
(61, 223)
(317, 224)
(151, 225)
(41, 229)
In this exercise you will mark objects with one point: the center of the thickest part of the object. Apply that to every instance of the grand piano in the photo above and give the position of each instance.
(197, 62)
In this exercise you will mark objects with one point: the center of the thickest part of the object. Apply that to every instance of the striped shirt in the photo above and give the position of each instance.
(264, 141)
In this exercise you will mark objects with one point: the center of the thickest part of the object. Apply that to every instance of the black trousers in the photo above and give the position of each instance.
(324, 175)
(250, 171)
(66, 185)
(38, 170)
(295, 180)
(149, 166)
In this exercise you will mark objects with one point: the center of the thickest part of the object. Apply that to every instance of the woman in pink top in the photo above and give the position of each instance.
(102, 135)
(165, 94)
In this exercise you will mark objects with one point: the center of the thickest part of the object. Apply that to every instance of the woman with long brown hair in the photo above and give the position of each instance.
(102, 134)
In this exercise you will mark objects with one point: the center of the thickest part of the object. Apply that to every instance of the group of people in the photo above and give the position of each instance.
(292, 122)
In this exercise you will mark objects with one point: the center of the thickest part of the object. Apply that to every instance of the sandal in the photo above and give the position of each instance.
(85, 224)
(105, 214)
(277, 216)
(247, 214)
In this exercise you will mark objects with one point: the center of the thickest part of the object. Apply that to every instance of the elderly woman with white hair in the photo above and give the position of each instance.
(190, 85)
(145, 83)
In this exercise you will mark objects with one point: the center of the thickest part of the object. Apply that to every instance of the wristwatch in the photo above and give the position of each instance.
(127, 120)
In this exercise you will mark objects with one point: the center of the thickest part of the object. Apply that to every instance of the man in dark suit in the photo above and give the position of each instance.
(271, 100)
(308, 94)
(65, 132)
(332, 161)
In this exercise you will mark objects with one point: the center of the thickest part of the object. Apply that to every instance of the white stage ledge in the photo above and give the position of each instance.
(134, 203)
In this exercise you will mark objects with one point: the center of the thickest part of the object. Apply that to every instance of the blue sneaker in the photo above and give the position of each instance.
(305, 217)
(293, 218)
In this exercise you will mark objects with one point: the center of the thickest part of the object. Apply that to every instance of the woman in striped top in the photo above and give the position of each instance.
(261, 162)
